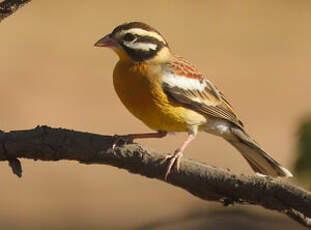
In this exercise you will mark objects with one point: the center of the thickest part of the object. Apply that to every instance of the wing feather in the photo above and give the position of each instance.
(186, 86)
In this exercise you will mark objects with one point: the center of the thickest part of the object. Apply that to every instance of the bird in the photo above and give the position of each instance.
(169, 94)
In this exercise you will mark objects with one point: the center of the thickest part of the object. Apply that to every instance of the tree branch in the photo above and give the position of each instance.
(205, 181)
(8, 7)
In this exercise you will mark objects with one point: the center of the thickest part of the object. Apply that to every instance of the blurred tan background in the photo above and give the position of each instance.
(257, 52)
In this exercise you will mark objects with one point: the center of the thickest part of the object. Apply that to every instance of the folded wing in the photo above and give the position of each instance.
(184, 84)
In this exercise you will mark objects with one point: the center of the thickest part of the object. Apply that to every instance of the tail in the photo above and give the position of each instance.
(258, 159)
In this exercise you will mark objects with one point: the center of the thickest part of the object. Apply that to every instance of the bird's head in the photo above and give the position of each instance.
(137, 42)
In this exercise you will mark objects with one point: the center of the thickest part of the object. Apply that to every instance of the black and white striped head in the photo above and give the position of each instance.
(134, 40)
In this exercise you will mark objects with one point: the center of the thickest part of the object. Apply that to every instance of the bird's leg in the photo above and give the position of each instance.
(130, 137)
(177, 155)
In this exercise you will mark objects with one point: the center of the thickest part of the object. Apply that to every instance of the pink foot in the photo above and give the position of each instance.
(173, 159)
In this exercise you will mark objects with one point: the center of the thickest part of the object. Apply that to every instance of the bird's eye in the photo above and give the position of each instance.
(129, 37)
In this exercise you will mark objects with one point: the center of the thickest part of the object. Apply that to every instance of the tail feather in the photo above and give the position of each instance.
(258, 159)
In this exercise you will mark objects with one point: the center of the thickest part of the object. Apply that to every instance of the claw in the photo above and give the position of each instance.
(126, 139)
(173, 159)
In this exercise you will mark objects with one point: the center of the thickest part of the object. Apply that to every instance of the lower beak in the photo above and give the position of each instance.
(106, 41)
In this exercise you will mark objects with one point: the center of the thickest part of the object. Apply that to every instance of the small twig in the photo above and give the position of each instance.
(205, 181)
(8, 7)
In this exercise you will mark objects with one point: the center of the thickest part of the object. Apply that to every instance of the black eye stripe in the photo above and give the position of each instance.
(140, 55)
(129, 37)
(149, 39)
(137, 53)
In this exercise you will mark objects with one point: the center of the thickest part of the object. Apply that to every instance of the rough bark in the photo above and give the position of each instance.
(8, 7)
(205, 181)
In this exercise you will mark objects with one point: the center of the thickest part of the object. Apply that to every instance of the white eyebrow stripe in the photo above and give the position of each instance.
(175, 80)
(141, 46)
(142, 32)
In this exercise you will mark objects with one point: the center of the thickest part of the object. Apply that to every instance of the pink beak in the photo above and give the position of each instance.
(106, 41)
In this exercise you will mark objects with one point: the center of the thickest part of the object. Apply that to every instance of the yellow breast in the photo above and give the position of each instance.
(139, 88)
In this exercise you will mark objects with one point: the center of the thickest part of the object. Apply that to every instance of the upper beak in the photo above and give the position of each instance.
(106, 41)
